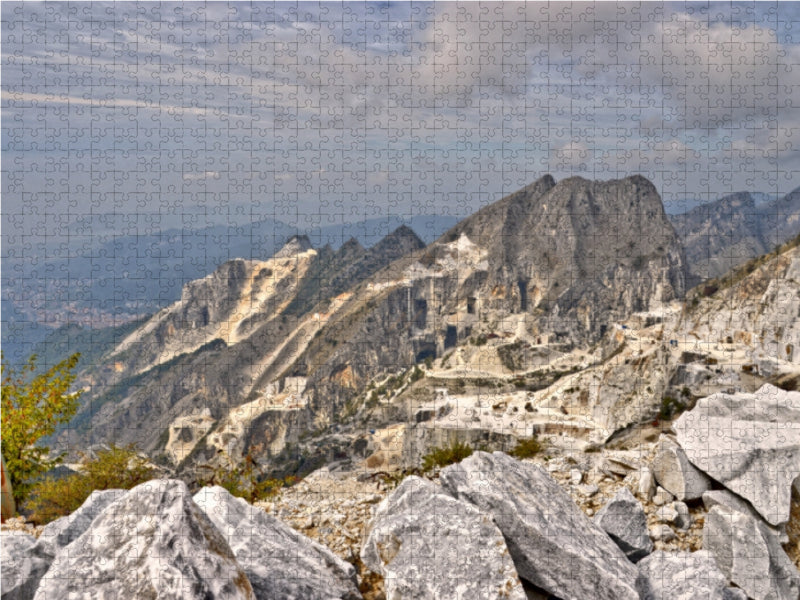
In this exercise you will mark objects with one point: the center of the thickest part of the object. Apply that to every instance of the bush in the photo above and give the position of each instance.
(32, 407)
(112, 468)
(242, 481)
(670, 407)
(441, 457)
(478, 340)
(527, 448)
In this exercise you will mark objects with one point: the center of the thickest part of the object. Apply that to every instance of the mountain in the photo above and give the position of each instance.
(259, 354)
(117, 268)
(720, 235)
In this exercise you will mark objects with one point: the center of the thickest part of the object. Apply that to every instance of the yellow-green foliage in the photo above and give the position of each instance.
(241, 481)
(112, 468)
(32, 407)
(527, 448)
(441, 457)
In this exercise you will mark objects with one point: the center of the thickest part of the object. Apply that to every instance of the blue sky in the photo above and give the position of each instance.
(316, 113)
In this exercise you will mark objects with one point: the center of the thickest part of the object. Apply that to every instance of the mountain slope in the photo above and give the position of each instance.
(720, 235)
(271, 350)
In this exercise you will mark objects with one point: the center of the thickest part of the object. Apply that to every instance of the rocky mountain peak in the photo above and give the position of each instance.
(294, 245)
(398, 243)
(351, 246)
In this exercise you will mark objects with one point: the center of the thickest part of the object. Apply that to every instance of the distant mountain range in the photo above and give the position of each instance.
(719, 235)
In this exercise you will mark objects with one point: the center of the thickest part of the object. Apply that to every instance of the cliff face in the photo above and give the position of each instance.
(719, 235)
(243, 324)
(579, 252)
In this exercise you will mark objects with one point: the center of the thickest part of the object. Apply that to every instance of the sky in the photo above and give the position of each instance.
(167, 114)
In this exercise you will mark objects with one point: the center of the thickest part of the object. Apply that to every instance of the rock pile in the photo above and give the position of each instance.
(608, 524)
(155, 541)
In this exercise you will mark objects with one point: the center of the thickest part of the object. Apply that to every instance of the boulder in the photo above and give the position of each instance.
(748, 442)
(647, 484)
(153, 542)
(734, 502)
(662, 533)
(427, 544)
(549, 538)
(575, 476)
(675, 513)
(749, 555)
(681, 576)
(674, 473)
(278, 561)
(624, 520)
(662, 496)
(24, 564)
(66, 530)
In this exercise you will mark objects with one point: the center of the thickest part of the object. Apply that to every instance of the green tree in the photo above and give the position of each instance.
(33, 405)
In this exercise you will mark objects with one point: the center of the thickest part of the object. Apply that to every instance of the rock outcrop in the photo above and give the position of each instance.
(548, 537)
(720, 235)
(24, 564)
(682, 576)
(279, 561)
(317, 314)
(152, 542)
(749, 555)
(677, 475)
(427, 544)
(62, 532)
(731, 501)
(623, 519)
(750, 443)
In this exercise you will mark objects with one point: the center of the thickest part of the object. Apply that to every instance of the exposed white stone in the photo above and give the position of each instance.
(748, 442)
(647, 483)
(662, 533)
(154, 542)
(676, 474)
(66, 530)
(278, 561)
(749, 555)
(681, 576)
(662, 496)
(23, 565)
(427, 544)
(575, 476)
(548, 536)
(731, 500)
(623, 518)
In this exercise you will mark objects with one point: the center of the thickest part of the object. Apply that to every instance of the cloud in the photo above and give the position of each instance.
(471, 98)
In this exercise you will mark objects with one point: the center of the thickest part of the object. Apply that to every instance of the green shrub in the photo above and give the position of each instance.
(112, 468)
(372, 401)
(441, 457)
(242, 481)
(479, 340)
(527, 448)
(33, 406)
(670, 407)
